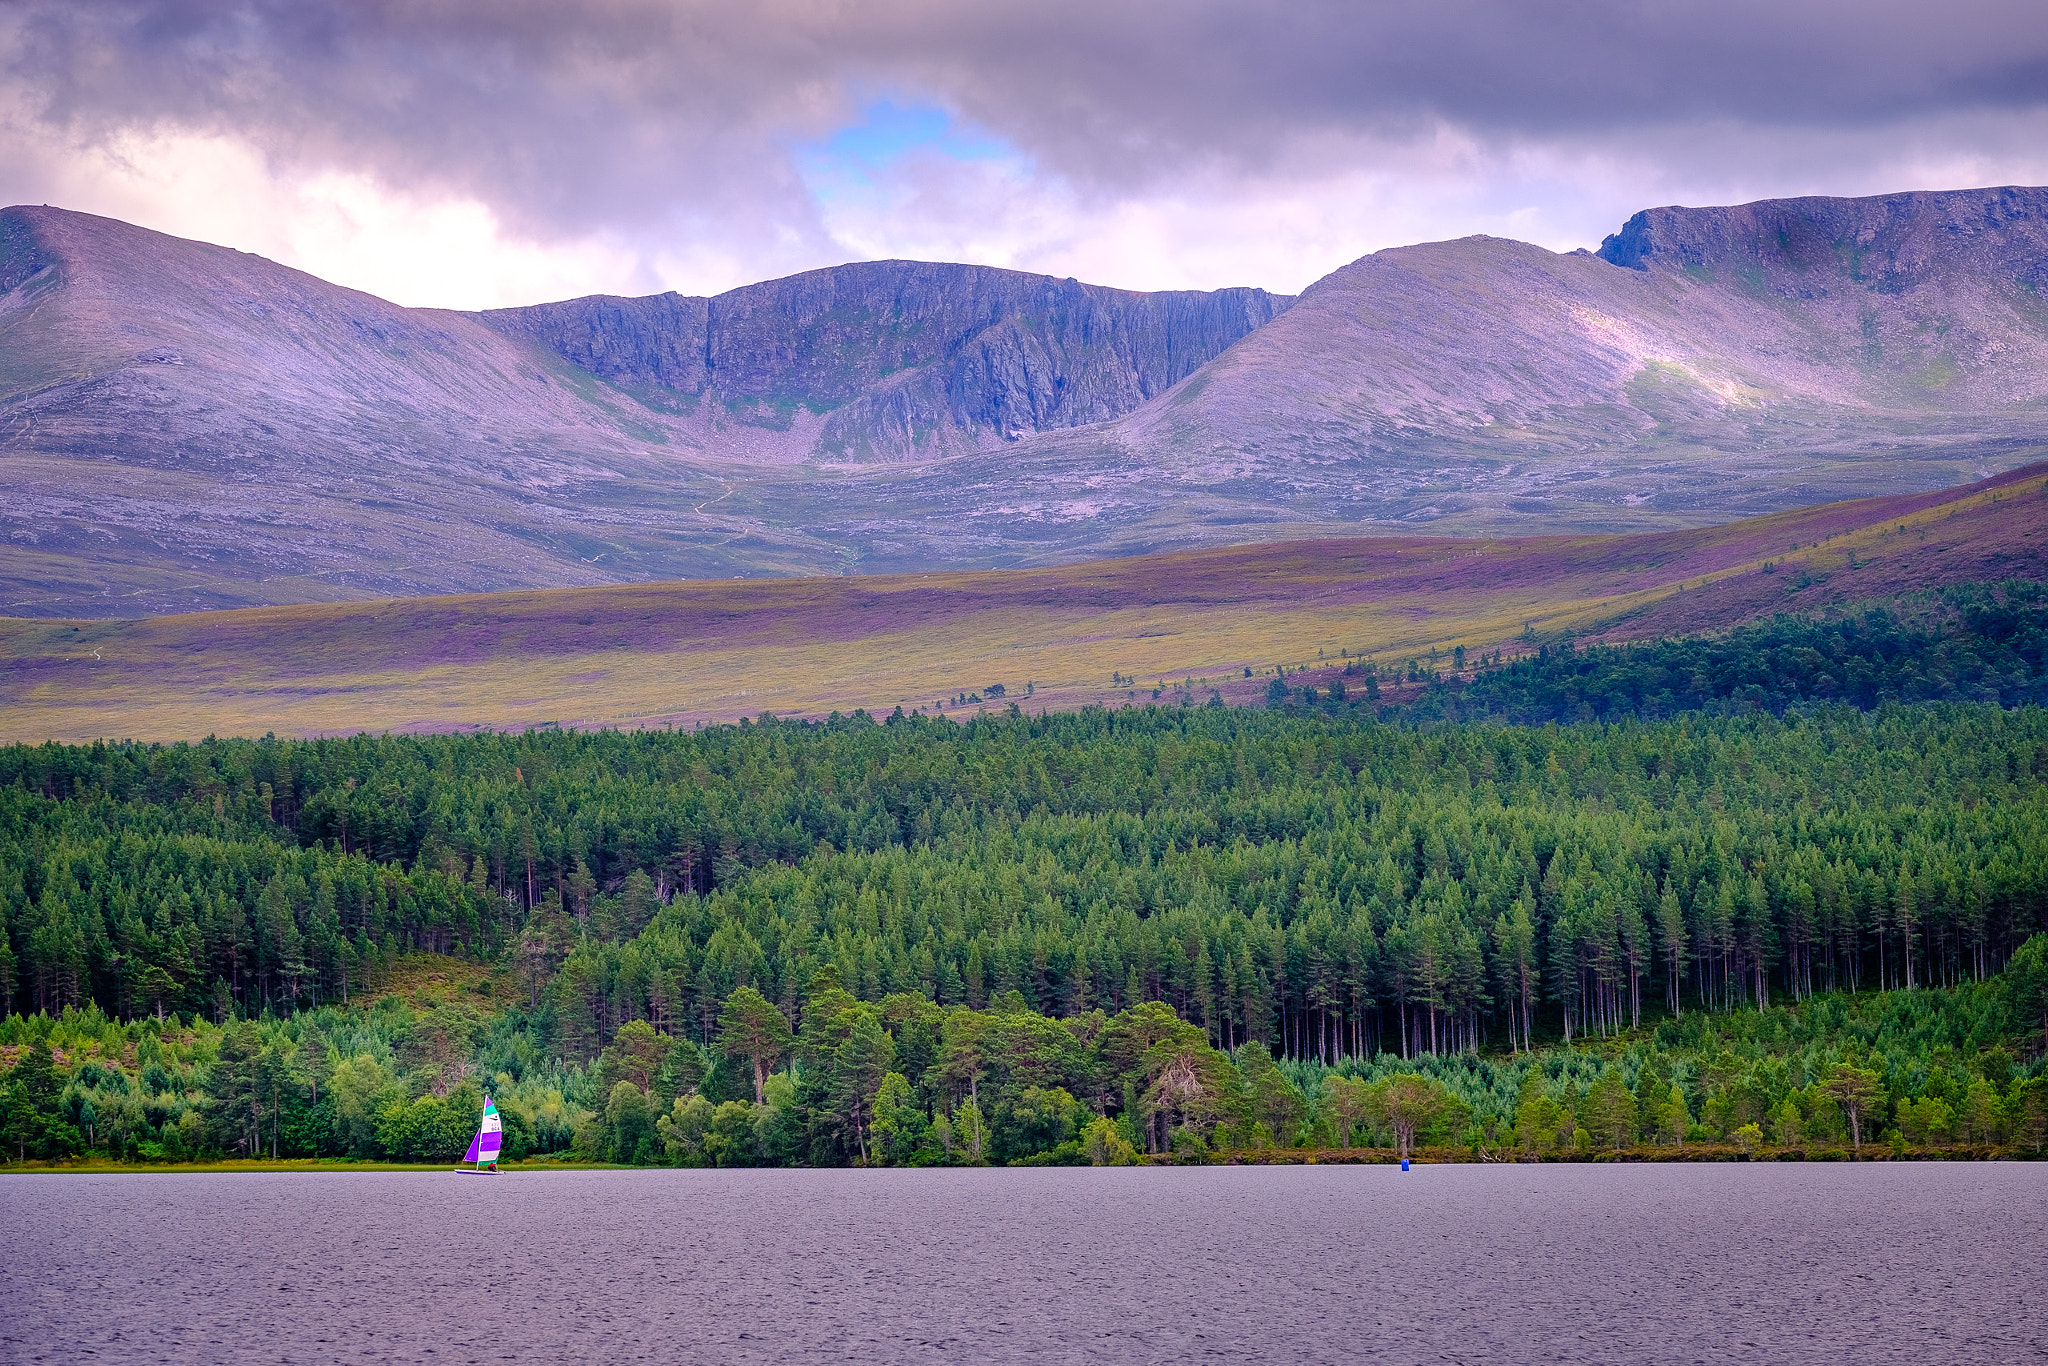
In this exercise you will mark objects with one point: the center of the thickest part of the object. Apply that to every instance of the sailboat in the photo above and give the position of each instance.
(483, 1149)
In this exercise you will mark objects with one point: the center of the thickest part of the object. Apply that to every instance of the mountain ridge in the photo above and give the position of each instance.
(1482, 382)
(186, 426)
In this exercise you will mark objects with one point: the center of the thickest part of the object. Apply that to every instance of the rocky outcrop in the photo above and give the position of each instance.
(22, 257)
(648, 345)
(1890, 242)
(902, 358)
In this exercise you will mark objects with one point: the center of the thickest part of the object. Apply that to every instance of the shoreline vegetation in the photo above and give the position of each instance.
(1923, 1074)
(1743, 898)
(1271, 1157)
(110, 1167)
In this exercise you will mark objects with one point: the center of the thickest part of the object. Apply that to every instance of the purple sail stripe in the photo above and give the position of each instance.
(489, 1146)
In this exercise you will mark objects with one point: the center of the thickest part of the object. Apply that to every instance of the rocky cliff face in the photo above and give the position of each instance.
(901, 359)
(1888, 242)
(22, 257)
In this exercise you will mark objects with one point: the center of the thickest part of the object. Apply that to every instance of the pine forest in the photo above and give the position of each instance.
(1770, 917)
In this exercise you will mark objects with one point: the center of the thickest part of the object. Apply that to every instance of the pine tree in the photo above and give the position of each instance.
(858, 1069)
(1406, 1104)
(751, 1027)
(2026, 976)
(1857, 1091)
(1673, 1119)
(1609, 1110)
(30, 1118)
(238, 1096)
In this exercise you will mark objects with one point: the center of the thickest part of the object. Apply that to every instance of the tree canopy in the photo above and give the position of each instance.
(909, 939)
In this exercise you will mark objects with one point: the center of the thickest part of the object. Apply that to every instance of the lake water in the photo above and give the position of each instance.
(1923, 1263)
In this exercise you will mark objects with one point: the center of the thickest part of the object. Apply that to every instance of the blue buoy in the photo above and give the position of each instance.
(1404, 1164)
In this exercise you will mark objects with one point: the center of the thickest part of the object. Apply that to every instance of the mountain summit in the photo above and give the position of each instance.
(1708, 362)
(185, 425)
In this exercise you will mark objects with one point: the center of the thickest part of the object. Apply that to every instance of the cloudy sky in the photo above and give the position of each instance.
(479, 152)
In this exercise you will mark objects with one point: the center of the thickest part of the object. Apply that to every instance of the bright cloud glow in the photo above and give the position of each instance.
(642, 145)
(342, 227)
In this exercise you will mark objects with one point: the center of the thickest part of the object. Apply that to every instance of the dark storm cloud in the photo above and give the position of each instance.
(568, 117)
(1108, 86)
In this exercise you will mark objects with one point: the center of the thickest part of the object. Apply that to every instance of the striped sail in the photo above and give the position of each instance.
(490, 1138)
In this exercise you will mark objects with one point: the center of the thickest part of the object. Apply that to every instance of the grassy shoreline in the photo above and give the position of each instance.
(1272, 1157)
(102, 1166)
(1692, 1152)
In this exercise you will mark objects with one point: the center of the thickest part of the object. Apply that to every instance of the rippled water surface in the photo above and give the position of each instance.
(1766, 1263)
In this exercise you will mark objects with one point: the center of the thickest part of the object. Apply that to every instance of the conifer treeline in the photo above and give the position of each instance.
(1965, 643)
(1328, 886)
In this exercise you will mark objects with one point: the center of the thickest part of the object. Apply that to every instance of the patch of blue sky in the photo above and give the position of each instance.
(858, 157)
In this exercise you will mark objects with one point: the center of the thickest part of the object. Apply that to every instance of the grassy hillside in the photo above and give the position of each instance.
(1183, 624)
